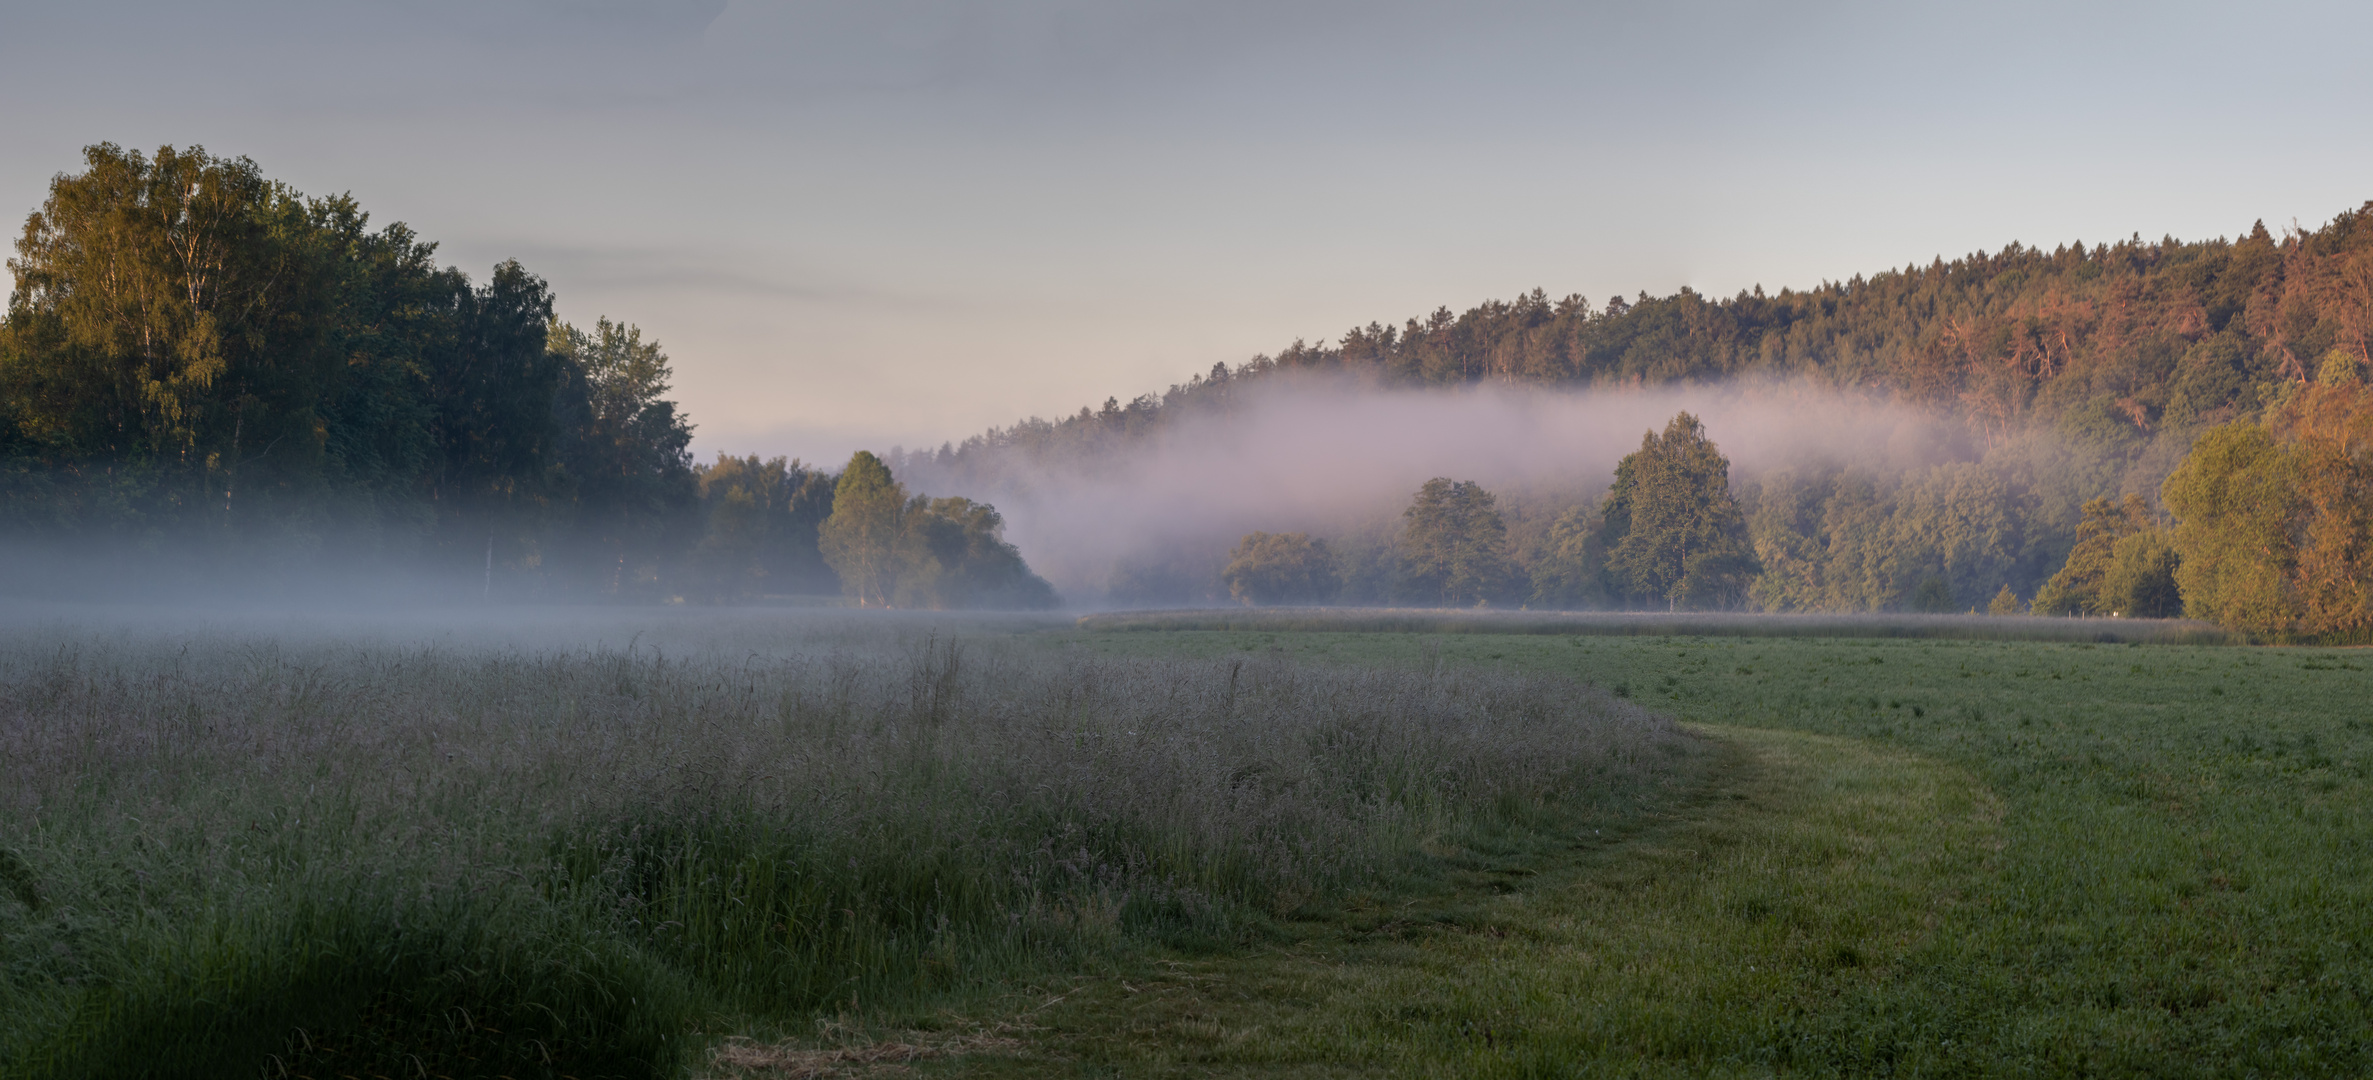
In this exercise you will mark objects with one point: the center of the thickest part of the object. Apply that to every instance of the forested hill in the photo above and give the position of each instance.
(2058, 377)
(2144, 335)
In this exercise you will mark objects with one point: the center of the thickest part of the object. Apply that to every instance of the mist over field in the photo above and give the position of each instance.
(1326, 455)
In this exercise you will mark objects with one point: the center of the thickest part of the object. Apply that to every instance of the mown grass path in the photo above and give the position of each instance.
(1928, 858)
(1688, 947)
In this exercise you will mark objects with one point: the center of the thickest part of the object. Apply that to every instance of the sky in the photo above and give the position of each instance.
(880, 222)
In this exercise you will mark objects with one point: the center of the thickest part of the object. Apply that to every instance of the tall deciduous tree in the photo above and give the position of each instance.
(2141, 581)
(861, 539)
(1675, 532)
(1454, 546)
(2236, 499)
(170, 315)
(628, 451)
(194, 352)
(2329, 429)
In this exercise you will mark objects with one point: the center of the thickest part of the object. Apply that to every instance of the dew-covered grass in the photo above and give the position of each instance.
(1919, 857)
(589, 843)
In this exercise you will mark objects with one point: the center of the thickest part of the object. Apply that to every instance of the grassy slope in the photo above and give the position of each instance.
(1927, 857)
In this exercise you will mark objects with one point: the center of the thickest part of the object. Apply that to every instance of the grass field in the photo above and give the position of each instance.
(1898, 856)
(581, 848)
(1924, 858)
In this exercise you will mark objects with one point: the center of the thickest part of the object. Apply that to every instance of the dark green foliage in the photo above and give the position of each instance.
(354, 978)
(1454, 549)
(2122, 564)
(1850, 540)
(627, 451)
(892, 551)
(1674, 533)
(2140, 582)
(196, 354)
(1281, 568)
(953, 555)
(1569, 570)
(762, 527)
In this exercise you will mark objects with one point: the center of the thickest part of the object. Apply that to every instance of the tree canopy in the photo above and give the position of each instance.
(1454, 549)
(893, 551)
(1675, 534)
(1281, 568)
(2122, 564)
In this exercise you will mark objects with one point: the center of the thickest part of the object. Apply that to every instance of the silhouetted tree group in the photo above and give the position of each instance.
(200, 363)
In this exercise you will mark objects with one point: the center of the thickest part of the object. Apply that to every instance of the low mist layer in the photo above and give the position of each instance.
(1330, 457)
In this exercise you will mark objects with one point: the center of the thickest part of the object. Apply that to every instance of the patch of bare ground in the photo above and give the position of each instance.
(744, 1059)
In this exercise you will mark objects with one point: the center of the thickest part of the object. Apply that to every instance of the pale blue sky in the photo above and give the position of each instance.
(900, 221)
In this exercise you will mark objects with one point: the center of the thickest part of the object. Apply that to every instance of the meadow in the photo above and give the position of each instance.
(1918, 857)
(589, 843)
(772, 844)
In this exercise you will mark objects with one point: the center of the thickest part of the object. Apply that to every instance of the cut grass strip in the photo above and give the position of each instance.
(1718, 940)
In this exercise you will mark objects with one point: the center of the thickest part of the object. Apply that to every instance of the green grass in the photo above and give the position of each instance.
(1234, 852)
(1970, 627)
(1926, 858)
(265, 851)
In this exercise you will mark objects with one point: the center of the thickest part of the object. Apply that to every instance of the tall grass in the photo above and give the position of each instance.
(233, 854)
(1661, 624)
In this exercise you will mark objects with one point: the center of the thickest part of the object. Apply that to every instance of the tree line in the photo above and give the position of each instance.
(199, 362)
(2265, 526)
(1669, 534)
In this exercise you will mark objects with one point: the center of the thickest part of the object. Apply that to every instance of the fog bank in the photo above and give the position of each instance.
(1322, 456)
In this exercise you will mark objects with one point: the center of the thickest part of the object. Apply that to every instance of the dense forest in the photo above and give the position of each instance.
(206, 375)
(2072, 376)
